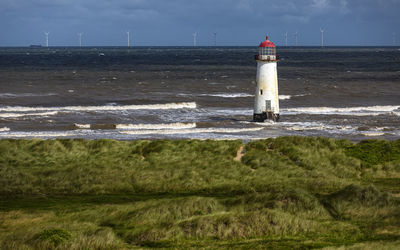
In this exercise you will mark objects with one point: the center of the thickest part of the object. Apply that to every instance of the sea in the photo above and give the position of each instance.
(196, 93)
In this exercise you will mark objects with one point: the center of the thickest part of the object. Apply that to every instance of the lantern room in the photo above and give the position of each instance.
(267, 51)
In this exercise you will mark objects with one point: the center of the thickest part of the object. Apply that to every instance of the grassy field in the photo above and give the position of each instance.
(289, 192)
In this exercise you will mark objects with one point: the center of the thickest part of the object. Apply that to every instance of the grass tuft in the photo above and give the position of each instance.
(54, 236)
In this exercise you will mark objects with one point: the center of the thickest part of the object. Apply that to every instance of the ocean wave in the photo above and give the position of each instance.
(232, 95)
(238, 95)
(82, 126)
(182, 105)
(288, 97)
(156, 126)
(138, 126)
(356, 111)
(190, 131)
(224, 112)
(304, 126)
(373, 134)
(223, 95)
(327, 128)
(12, 95)
(16, 115)
(4, 129)
(36, 134)
(284, 97)
(266, 123)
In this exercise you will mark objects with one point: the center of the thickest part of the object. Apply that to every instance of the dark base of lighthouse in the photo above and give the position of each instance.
(265, 116)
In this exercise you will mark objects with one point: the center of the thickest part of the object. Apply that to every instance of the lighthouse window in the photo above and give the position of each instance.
(267, 51)
(261, 91)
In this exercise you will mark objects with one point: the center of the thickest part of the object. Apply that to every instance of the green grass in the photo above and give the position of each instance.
(288, 192)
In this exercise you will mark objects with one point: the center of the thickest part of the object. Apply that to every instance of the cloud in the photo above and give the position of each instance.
(173, 17)
(320, 5)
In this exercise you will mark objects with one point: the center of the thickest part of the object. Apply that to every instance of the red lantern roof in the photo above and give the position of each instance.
(267, 43)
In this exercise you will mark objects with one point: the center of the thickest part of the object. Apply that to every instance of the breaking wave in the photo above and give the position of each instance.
(223, 95)
(373, 134)
(284, 97)
(140, 126)
(4, 129)
(288, 97)
(156, 126)
(191, 131)
(233, 95)
(356, 111)
(182, 105)
(16, 115)
(36, 134)
(82, 126)
(12, 95)
(329, 128)
(239, 95)
(303, 126)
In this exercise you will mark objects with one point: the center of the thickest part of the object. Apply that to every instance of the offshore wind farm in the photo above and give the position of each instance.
(211, 40)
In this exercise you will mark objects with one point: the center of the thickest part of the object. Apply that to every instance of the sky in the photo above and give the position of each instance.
(173, 22)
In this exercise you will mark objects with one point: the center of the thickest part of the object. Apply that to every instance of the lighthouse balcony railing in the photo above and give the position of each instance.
(267, 58)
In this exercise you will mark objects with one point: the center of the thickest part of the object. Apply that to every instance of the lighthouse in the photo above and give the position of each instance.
(266, 105)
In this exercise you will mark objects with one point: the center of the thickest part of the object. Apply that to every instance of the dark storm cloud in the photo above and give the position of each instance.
(172, 22)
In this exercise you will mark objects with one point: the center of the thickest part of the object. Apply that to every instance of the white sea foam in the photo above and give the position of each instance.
(190, 131)
(303, 126)
(356, 111)
(82, 126)
(284, 97)
(223, 95)
(188, 105)
(16, 115)
(225, 112)
(381, 128)
(266, 123)
(156, 126)
(35, 134)
(4, 129)
(319, 126)
(16, 95)
(373, 134)
(288, 97)
(231, 95)
(239, 95)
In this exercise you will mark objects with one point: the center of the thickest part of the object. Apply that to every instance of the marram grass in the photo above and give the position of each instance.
(288, 193)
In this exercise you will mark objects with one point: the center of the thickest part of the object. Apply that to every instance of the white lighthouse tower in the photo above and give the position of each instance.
(266, 105)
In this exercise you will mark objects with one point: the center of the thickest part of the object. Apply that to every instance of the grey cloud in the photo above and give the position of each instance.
(175, 17)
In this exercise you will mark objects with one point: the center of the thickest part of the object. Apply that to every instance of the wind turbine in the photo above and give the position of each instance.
(296, 36)
(47, 38)
(215, 39)
(195, 39)
(129, 37)
(80, 39)
(286, 38)
(322, 37)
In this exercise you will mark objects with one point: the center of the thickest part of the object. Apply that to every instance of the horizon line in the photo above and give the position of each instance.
(40, 46)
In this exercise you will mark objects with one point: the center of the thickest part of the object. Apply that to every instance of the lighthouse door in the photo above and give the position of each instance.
(268, 105)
